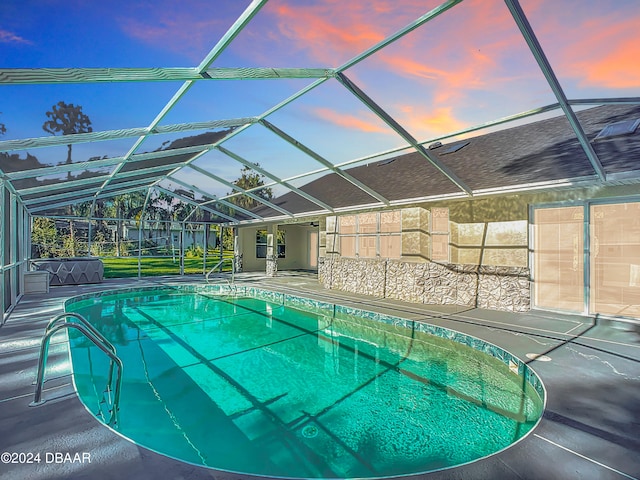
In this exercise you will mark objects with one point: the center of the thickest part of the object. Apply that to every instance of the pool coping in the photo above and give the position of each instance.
(516, 365)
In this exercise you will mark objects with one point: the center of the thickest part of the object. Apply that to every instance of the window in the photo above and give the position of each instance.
(280, 245)
(347, 231)
(261, 244)
(367, 238)
(371, 235)
(440, 234)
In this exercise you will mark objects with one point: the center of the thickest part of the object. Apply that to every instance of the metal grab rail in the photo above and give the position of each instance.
(98, 340)
(217, 265)
(65, 316)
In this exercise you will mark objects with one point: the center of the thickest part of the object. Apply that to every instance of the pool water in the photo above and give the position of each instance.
(250, 385)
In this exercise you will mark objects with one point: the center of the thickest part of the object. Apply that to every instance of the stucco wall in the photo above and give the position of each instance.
(296, 248)
(247, 245)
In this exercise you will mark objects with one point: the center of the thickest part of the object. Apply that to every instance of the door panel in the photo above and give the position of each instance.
(615, 259)
(313, 250)
(559, 258)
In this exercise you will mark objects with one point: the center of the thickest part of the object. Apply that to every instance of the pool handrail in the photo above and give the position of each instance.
(64, 317)
(219, 264)
(97, 339)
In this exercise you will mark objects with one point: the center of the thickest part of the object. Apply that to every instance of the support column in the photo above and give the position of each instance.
(222, 247)
(182, 248)
(237, 254)
(272, 251)
(205, 247)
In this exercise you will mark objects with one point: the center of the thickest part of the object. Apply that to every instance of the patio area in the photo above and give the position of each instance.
(590, 368)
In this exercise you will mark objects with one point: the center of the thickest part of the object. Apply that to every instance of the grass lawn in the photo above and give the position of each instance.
(121, 267)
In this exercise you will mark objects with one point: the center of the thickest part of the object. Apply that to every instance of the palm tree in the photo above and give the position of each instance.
(163, 209)
(127, 205)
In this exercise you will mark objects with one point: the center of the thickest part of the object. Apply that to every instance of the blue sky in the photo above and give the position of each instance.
(467, 66)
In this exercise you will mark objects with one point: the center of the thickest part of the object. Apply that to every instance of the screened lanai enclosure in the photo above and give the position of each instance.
(481, 153)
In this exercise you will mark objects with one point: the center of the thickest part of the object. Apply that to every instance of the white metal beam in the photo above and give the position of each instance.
(184, 199)
(235, 187)
(108, 162)
(276, 179)
(38, 76)
(385, 117)
(34, 210)
(349, 178)
(536, 49)
(59, 140)
(213, 198)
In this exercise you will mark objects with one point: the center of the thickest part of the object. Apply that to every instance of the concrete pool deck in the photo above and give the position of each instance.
(591, 370)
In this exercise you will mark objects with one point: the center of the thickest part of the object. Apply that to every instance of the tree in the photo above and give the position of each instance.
(163, 210)
(125, 206)
(250, 179)
(67, 119)
(3, 128)
(44, 238)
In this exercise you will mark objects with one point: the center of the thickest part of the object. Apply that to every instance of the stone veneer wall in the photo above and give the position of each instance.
(497, 288)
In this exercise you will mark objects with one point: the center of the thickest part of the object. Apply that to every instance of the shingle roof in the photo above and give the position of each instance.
(541, 151)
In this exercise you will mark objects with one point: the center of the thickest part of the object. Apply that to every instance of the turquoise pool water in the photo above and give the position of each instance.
(262, 383)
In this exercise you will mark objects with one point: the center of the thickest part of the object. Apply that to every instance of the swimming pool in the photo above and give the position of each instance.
(259, 382)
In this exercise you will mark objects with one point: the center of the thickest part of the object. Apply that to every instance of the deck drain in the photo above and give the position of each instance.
(310, 431)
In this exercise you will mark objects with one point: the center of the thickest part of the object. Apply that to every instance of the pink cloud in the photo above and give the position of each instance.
(593, 47)
(10, 37)
(325, 35)
(336, 31)
(438, 121)
(168, 25)
(608, 56)
(364, 123)
(333, 31)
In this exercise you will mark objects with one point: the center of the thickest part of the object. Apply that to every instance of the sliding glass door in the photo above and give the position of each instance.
(611, 283)
(615, 259)
(558, 258)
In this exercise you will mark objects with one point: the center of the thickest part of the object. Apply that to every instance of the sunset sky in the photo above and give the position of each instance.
(468, 66)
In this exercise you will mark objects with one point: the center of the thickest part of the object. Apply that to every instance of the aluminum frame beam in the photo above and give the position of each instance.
(85, 199)
(213, 198)
(184, 199)
(235, 29)
(31, 76)
(107, 162)
(407, 137)
(325, 162)
(52, 187)
(233, 186)
(536, 49)
(85, 181)
(605, 101)
(63, 140)
(274, 178)
(57, 196)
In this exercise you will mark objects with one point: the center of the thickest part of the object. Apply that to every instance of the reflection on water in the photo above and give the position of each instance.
(252, 386)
